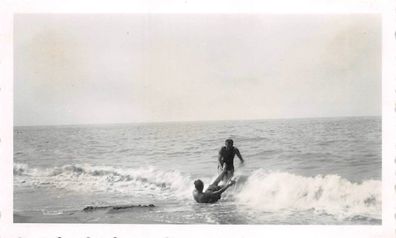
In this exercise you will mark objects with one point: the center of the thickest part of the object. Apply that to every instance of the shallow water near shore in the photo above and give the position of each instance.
(297, 171)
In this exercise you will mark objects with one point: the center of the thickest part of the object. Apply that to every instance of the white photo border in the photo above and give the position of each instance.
(9, 229)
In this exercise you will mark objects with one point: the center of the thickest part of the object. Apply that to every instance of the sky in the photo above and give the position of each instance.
(92, 69)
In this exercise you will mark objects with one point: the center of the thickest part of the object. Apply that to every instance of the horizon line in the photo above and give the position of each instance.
(186, 121)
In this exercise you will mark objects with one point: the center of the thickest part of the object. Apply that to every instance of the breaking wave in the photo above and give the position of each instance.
(329, 194)
(261, 191)
(88, 178)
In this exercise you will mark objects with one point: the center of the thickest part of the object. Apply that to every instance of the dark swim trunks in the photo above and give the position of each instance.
(213, 198)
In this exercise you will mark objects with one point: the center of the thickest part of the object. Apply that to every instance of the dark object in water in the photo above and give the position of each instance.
(92, 208)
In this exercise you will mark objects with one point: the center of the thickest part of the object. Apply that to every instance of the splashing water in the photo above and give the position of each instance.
(85, 178)
(262, 191)
(331, 194)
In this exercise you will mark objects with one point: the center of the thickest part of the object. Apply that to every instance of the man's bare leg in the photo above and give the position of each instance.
(220, 177)
(227, 176)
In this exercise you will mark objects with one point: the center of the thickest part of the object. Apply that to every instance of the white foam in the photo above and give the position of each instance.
(20, 168)
(86, 178)
(331, 194)
(261, 191)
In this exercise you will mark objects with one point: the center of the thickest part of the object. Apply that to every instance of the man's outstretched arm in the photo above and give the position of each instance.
(220, 159)
(223, 189)
(239, 155)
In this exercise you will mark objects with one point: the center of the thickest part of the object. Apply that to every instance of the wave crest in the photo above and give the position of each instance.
(329, 194)
(261, 191)
(106, 179)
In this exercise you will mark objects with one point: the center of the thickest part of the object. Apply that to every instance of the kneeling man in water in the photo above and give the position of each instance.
(213, 192)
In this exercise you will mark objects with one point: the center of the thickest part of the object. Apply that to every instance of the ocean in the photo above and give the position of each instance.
(296, 171)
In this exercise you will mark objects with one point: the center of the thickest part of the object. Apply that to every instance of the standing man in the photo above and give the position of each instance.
(226, 159)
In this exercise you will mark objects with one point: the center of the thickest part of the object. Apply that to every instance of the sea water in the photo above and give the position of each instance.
(296, 171)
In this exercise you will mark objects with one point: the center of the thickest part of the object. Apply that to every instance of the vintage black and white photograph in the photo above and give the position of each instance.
(197, 119)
